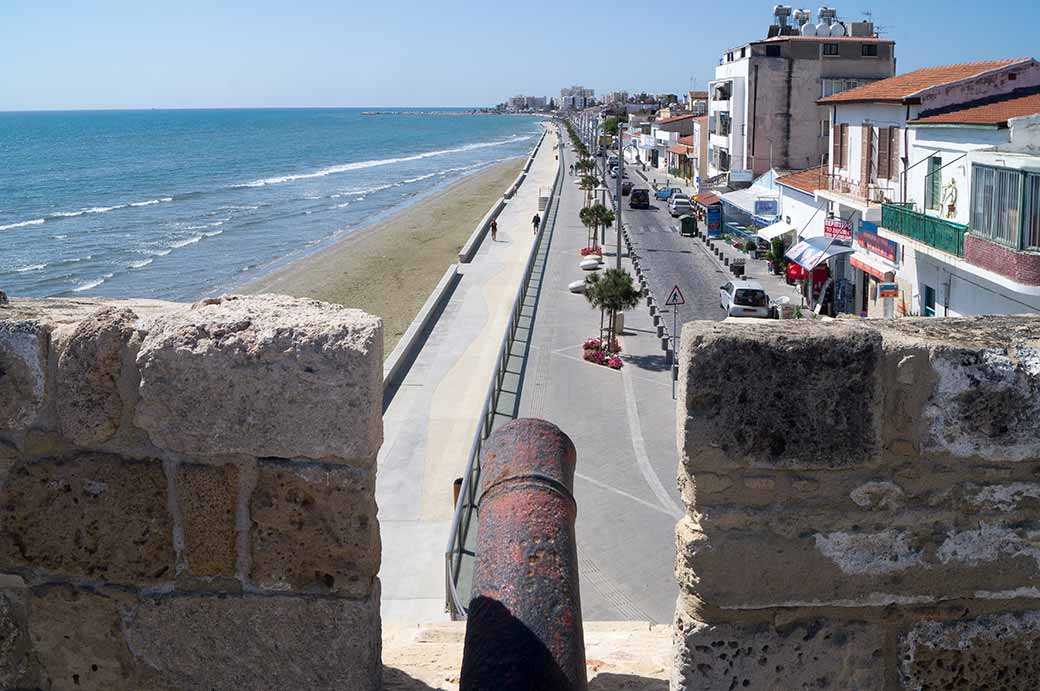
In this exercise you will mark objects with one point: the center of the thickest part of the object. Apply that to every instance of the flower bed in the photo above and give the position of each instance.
(595, 249)
(596, 352)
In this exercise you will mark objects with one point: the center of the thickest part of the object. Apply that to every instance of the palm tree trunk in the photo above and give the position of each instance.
(601, 323)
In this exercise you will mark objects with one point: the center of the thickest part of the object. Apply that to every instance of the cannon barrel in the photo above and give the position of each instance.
(524, 628)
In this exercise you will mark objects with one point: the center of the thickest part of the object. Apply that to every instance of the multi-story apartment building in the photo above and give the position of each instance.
(616, 97)
(762, 102)
(577, 97)
(697, 102)
(933, 170)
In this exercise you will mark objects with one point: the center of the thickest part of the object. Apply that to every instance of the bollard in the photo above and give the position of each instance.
(666, 342)
(725, 261)
(657, 321)
(653, 309)
(660, 328)
(524, 629)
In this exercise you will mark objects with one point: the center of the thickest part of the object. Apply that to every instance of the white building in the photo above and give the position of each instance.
(875, 167)
(577, 97)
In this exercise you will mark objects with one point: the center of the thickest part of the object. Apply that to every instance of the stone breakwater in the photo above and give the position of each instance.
(187, 495)
(862, 505)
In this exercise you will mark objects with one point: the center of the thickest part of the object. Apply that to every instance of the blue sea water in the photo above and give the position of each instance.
(179, 204)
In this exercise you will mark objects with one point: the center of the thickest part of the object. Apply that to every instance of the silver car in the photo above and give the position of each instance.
(744, 299)
(679, 204)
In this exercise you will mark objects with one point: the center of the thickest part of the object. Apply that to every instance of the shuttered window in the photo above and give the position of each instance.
(883, 157)
(933, 184)
(836, 146)
(893, 153)
(996, 198)
(841, 146)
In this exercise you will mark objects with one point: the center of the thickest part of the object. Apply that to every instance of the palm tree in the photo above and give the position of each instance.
(604, 216)
(587, 215)
(614, 292)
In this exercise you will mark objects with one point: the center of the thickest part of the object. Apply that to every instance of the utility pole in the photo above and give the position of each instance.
(617, 195)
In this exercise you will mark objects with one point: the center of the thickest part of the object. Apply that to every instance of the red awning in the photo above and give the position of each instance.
(707, 198)
(868, 268)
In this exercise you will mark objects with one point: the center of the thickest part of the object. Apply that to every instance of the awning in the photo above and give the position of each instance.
(776, 230)
(677, 149)
(707, 198)
(875, 269)
(812, 252)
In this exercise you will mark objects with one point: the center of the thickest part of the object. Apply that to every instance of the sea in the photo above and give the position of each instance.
(182, 204)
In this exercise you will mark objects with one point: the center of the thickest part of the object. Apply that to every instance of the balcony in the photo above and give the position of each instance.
(941, 234)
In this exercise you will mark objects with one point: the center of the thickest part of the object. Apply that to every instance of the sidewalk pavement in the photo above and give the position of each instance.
(429, 425)
(622, 424)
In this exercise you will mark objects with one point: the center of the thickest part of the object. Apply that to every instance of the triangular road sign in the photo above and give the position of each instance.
(675, 297)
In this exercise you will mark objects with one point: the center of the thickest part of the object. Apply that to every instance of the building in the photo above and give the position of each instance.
(903, 151)
(616, 97)
(686, 158)
(697, 102)
(762, 102)
(577, 98)
(664, 133)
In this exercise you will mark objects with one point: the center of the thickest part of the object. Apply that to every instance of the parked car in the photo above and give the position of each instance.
(742, 298)
(679, 204)
(626, 187)
(665, 193)
(613, 171)
(639, 199)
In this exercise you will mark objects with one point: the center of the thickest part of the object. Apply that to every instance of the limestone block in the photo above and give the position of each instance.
(982, 384)
(89, 369)
(263, 376)
(993, 651)
(314, 528)
(790, 395)
(23, 366)
(208, 497)
(78, 641)
(757, 568)
(243, 642)
(810, 654)
(92, 516)
(18, 668)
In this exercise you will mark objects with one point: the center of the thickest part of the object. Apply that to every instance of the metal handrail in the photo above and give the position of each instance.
(461, 517)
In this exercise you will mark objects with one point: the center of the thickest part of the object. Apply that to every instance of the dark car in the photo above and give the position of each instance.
(639, 199)
(626, 187)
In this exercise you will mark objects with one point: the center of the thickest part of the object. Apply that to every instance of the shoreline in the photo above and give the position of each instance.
(389, 267)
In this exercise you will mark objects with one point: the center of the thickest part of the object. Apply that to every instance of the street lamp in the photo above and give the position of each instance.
(602, 190)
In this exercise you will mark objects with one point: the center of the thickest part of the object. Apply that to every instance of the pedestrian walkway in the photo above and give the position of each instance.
(622, 424)
(429, 425)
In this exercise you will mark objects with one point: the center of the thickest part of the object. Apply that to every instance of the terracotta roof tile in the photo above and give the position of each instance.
(992, 111)
(707, 198)
(807, 181)
(677, 149)
(688, 140)
(903, 86)
(676, 118)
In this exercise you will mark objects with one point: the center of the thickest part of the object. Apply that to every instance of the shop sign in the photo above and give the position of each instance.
(837, 228)
(888, 290)
(867, 237)
(714, 220)
(765, 207)
(741, 176)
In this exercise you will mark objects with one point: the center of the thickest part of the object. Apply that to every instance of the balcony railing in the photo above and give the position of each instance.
(935, 232)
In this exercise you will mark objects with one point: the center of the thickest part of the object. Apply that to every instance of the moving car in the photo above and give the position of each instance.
(626, 187)
(639, 199)
(743, 298)
(679, 204)
(665, 193)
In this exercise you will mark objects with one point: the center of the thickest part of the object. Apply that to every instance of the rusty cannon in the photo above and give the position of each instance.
(524, 628)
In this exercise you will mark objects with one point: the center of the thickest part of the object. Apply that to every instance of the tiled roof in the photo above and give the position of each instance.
(992, 111)
(707, 198)
(698, 95)
(807, 181)
(684, 116)
(903, 86)
(688, 140)
(677, 149)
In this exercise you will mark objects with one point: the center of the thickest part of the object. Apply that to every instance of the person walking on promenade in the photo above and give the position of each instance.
(535, 221)
(494, 230)
(571, 169)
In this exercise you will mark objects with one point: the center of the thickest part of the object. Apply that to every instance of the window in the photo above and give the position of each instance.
(743, 52)
(825, 128)
(888, 153)
(870, 50)
(928, 302)
(830, 48)
(772, 51)
(933, 184)
(843, 159)
(1005, 206)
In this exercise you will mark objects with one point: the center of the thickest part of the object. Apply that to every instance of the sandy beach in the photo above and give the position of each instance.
(389, 268)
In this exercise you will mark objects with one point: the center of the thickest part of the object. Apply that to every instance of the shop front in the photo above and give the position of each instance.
(876, 261)
(816, 263)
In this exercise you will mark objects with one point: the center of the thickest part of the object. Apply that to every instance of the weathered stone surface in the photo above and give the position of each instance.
(18, 667)
(314, 528)
(812, 401)
(991, 652)
(208, 497)
(93, 516)
(78, 641)
(259, 642)
(89, 369)
(23, 366)
(811, 654)
(757, 568)
(264, 376)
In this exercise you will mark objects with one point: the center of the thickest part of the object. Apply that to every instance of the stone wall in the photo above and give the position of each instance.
(863, 505)
(187, 495)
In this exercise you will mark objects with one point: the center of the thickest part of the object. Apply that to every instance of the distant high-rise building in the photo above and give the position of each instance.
(617, 97)
(577, 97)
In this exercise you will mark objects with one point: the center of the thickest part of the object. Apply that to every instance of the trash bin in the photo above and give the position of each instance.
(688, 226)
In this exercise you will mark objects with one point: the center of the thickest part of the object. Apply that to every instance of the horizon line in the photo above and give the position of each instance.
(167, 108)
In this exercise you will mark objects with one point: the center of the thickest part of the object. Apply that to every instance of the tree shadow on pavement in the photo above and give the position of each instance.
(650, 363)
(626, 682)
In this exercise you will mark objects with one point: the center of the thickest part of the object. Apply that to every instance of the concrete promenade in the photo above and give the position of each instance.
(429, 426)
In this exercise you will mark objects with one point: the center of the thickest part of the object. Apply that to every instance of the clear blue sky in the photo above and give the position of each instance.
(213, 53)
